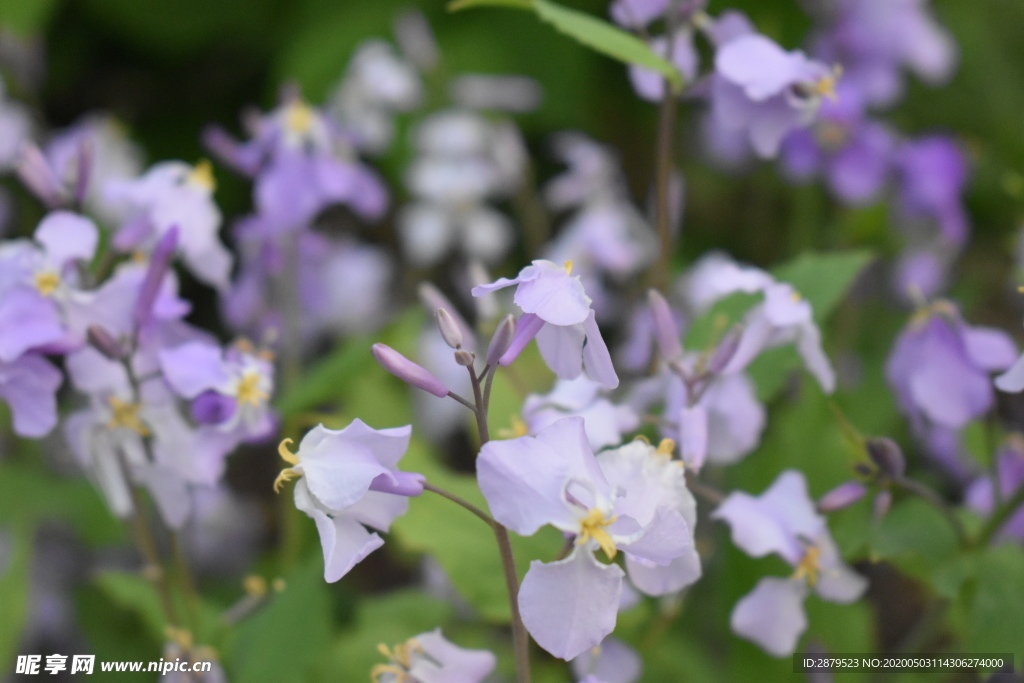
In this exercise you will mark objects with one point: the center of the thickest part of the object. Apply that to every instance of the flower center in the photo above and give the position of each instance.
(400, 661)
(249, 391)
(809, 566)
(593, 527)
(568, 267)
(299, 118)
(201, 175)
(47, 282)
(125, 415)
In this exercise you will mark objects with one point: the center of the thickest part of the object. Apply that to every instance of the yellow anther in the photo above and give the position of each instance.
(517, 429)
(1021, 289)
(287, 455)
(826, 87)
(831, 135)
(255, 585)
(809, 566)
(249, 392)
(299, 117)
(278, 584)
(666, 448)
(401, 676)
(47, 282)
(201, 175)
(795, 296)
(568, 267)
(181, 636)
(125, 415)
(593, 527)
(244, 345)
(285, 476)
(400, 661)
(641, 437)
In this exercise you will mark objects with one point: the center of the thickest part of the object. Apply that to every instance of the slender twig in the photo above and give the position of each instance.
(186, 580)
(481, 413)
(462, 502)
(452, 394)
(999, 517)
(705, 491)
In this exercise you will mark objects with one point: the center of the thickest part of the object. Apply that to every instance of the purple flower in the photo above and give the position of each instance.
(633, 499)
(557, 312)
(613, 661)
(932, 173)
(783, 521)
(764, 92)
(169, 194)
(604, 421)
(680, 51)
(350, 481)
(939, 370)
(980, 494)
(431, 658)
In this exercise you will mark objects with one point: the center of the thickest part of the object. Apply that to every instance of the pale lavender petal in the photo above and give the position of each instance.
(653, 579)
(596, 359)
(378, 510)
(27, 320)
(447, 663)
(554, 295)
(693, 435)
(169, 491)
(525, 330)
(388, 445)
(1012, 381)
(339, 473)
(772, 615)
(665, 538)
(989, 348)
(562, 349)
(29, 385)
(67, 236)
(611, 662)
(758, 65)
(193, 368)
(345, 542)
(569, 606)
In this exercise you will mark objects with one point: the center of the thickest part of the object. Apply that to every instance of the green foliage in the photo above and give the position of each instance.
(595, 33)
(994, 621)
(26, 19)
(283, 640)
(14, 591)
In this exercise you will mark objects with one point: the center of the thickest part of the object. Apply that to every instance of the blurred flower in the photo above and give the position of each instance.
(605, 422)
(431, 658)
(981, 493)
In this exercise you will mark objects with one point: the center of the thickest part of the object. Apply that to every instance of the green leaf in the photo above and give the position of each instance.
(28, 17)
(994, 621)
(587, 29)
(915, 536)
(282, 641)
(823, 278)
(14, 593)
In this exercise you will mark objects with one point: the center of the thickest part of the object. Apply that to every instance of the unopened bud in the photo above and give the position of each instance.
(83, 170)
(842, 496)
(407, 371)
(501, 340)
(432, 299)
(882, 503)
(35, 172)
(211, 407)
(887, 455)
(665, 331)
(725, 350)
(450, 331)
(464, 358)
(104, 342)
(159, 263)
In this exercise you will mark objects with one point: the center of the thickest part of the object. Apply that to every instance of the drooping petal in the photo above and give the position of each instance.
(596, 359)
(193, 368)
(562, 349)
(339, 472)
(29, 385)
(569, 606)
(66, 236)
(772, 615)
(446, 662)
(27, 320)
(553, 294)
(345, 542)
(654, 579)
(667, 537)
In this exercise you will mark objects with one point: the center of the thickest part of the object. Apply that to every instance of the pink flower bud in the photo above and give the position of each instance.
(665, 331)
(842, 496)
(101, 339)
(449, 328)
(407, 371)
(501, 340)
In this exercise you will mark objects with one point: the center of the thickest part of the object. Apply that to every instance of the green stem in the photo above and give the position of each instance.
(1000, 516)
(663, 169)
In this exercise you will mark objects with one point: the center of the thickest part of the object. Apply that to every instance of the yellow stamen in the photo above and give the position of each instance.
(568, 267)
(401, 661)
(518, 429)
(286, 475)
(255, 585)
(47, 282)
(826, 87)
(202, 175)
(249, 392)
(126, 415)
(181, 636)
(379, 670)
(287, 455)
(299, 117)
(809, 566)
(666, 448)
(795, 296)
(592, 527)
(641, 437)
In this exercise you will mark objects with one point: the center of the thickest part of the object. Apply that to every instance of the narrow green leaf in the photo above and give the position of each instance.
(14, 594)
(823, 278)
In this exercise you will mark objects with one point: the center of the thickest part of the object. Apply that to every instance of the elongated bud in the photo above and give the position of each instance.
(665, 331)
(464, 358)
(887, 455)
(432, 299)
(105, 343)
(38, 177)
(450, 331)
(159, 263)
(407, 371)
(844, 495)
(83, 171)
(501, 340)
(882, 503)
(725, 350)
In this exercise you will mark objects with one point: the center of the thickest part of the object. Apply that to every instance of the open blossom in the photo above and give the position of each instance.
(174, 194)
(763, 92)
(28, 384)
(632, 499)
(783, 521)
(557, 312)
(604, 421)
(940, 369)
(431, 658)
(350, 481)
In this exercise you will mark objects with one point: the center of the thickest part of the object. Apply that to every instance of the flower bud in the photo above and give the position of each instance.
(449, 328)
(35, 172)
(888, 456)
(665, 331)
(210, 407)
(83, 170)
(407, 371)
(432, 299)
(501, 340)
(842, 496)
(159, 263)
(104, 342)
(725, 350)
(882, 503)
(464, 358)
